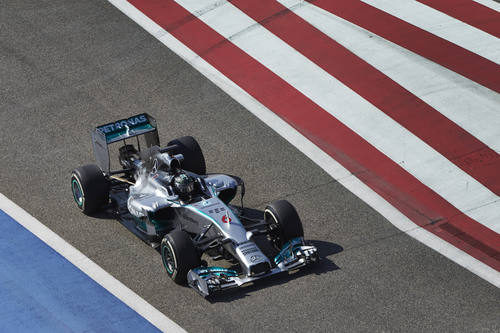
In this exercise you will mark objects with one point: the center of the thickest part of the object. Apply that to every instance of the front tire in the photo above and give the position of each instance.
(194, 160)
(90, 188)
(283, 222)
(179, 255)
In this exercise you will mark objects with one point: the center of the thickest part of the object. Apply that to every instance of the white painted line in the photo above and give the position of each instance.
(89, 267)
(466, 103)
(442, 25)
(490, 3)
(388, 136)
(334, 169)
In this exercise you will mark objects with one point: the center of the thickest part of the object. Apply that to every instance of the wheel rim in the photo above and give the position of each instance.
(77, 192)
(168, 259)
(274, 230)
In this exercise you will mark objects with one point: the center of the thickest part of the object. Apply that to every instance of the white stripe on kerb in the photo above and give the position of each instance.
(385, 134)
(466, 103)
(323, 160)
(442, 25)
(94, 271)
(490, 3)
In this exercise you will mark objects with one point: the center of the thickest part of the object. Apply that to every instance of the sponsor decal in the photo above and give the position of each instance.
(206, 204)
(249, 250)
(226, 219)
(124, 124)
(216, 210)
(254, 258)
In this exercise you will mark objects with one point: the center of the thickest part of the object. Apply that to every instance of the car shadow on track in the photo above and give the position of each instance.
(325, 265)
(104, 215)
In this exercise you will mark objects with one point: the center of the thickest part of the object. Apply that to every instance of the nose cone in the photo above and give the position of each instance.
(223, 217)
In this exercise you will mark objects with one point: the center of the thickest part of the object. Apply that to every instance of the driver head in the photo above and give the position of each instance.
(183, 184)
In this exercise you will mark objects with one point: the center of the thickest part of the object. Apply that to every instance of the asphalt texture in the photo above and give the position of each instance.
(68, 65)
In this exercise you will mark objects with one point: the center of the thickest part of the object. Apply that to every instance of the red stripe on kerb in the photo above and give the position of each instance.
(441, 51)
(402, 190)
(446, 137)
(469, 12)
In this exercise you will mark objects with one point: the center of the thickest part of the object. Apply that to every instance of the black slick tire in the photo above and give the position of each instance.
(194, 160)
(90, 188)
(178, 255)
(283, 221)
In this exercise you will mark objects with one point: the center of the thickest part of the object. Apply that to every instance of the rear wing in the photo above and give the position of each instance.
(103, 135)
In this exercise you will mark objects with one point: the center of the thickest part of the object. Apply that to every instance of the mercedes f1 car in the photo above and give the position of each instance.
(165, 196)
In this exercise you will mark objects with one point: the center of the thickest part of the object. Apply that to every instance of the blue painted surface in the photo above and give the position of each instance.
(41, 291)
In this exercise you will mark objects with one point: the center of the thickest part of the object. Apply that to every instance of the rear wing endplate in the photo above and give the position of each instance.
(122, 129)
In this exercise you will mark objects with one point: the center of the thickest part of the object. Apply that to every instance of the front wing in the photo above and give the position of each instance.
(294, 255)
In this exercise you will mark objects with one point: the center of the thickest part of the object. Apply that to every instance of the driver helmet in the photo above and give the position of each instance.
(184, 184)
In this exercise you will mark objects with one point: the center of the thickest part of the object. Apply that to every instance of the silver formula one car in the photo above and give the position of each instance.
(165, 196)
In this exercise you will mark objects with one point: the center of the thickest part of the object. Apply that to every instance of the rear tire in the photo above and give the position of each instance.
(283, 222)
(90, 188)
(194, 160)
(179, 255)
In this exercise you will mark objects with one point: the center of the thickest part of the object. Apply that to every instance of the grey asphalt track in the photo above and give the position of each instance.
(68, 65)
